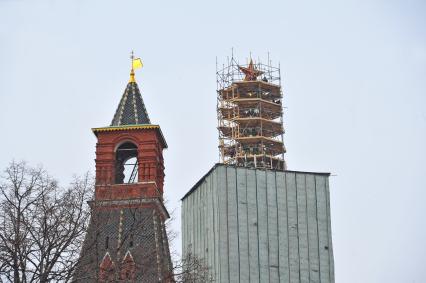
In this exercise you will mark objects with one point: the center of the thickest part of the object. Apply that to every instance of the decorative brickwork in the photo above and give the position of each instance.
(106, 269)
(127, 271)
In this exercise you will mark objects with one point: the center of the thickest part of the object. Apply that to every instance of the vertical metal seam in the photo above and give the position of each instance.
(213, 221)
(238, 224)
(307, 230)
(297, 226)
(194, 222)
(206, 222)
(327, 214)
(288, 232)
(316, 210)
(278, 225)
(247, 226)
(267, 222)
(257, 226)
(218, 273)
(227, 219)
(201, 220)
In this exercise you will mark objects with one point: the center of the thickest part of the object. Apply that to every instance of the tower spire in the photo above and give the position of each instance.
(132, 70)
(131, 109)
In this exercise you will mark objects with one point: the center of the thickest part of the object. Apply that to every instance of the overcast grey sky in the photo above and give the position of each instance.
(354, 81)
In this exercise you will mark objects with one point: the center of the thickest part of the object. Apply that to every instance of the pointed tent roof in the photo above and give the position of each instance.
(131, 110)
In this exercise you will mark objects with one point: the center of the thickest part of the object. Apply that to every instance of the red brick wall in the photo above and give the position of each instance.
(150, 159)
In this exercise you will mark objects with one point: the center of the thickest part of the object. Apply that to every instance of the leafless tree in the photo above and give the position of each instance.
(191, 269)
(187, 268)
(42, 226)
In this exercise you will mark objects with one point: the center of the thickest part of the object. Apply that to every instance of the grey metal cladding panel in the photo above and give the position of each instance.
(312, 228)
(272, 226)
(206, 223)
(194, 225)
(201, 230)
(185, 239)
(302, 227)
(192, 221)
(198, 226)
(184, 217)
(196, 222)
(216, 225)
(188, 222)
(223, 224)
(292, 227)
(205, 220)
(322, 229)
(330, 243)
(282, 227)
(242, 225)
(202, 220)
(207, 229)
(262, 211)
(194, 205)
(252, 226)
(234, 269)
(183, 225)
(210, 232)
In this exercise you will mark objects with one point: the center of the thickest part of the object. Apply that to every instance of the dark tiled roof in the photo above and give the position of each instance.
(131, 110)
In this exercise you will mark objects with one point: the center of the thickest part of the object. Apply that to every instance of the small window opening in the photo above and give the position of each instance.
(126, 164)
(106, 242)
(131, 240)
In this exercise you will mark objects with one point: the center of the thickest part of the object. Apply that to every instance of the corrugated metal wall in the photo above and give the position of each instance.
(252, 225)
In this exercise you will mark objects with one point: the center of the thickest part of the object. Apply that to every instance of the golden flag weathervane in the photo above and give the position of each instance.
(136, 64)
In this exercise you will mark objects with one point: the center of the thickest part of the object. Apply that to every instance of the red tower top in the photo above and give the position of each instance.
(126, 239)
(129, 153)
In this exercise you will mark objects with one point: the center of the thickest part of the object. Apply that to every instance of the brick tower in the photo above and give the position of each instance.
(126, 240)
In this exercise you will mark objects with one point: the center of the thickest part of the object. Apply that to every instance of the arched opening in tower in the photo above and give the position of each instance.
(126, 164)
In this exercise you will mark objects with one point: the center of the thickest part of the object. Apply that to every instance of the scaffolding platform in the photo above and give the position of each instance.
(249, 111)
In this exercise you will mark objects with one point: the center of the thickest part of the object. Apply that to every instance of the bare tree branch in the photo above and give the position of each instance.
(42, 226)
(187, 268)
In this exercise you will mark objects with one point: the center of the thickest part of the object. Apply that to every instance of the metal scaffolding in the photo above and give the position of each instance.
(249, 111)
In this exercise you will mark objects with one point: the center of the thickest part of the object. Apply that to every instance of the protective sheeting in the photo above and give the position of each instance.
(253, 225)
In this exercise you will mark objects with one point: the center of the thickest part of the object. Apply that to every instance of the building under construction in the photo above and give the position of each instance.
(249, 111)
(249, 217)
